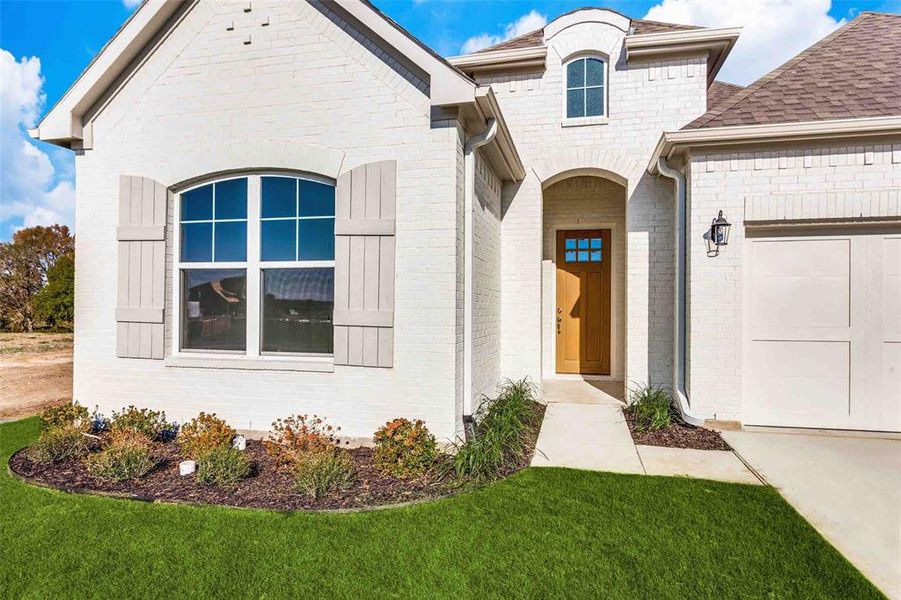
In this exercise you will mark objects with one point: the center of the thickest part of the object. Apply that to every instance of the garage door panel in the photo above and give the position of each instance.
(800, 378)
(823, 331)
(800, 284)
(891, 306)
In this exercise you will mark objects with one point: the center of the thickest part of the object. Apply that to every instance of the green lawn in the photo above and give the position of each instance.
(542, 533)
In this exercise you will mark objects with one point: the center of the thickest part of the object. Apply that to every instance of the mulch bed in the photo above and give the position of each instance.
(271, 486)
(678, 435)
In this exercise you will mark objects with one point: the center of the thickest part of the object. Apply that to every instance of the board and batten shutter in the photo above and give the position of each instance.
(141, 236)
(365, 201)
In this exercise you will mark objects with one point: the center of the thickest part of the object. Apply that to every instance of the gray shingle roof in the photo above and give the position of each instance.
(855, 72)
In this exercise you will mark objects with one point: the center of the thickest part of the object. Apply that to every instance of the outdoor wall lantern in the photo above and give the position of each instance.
(718, 235)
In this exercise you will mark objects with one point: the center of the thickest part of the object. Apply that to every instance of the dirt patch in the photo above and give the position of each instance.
(35, 372)
(22, 344)
(678, 435)
(270, 486)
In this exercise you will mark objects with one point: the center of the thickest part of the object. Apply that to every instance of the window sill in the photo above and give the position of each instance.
(322, 364)
(584, 121)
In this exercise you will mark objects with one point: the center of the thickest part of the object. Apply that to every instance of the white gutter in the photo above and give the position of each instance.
(469, 192)
(672, 142)
(679, 337)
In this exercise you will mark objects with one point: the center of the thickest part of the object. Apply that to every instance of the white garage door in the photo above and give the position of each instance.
(823, 332)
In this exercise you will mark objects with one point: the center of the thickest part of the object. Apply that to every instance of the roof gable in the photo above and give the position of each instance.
(855, 72)
(65, 123)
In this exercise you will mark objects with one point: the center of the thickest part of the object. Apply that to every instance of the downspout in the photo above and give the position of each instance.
(469, 193)
(680, 342)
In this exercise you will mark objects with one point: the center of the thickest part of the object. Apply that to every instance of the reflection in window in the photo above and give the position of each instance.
(214, 222)
(298, 220)
(297, 310)
(585, 88)
(214, 309)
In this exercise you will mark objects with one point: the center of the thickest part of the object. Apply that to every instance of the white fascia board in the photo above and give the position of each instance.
(513, 169)
(675, 142)
(717, 42)
(63, 123)
(501, 59)
(447, 85)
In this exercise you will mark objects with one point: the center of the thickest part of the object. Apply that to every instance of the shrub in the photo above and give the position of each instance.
(68, 414)
(296, 435)
(222, 466)
(320, 472)
(651, 408)
(58, 444)
(203, 433)
(404, 448)
(129, 455)
(503, 428)
(143, 420)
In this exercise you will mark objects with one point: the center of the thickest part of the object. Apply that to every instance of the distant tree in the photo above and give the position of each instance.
(55, 303)
(24, 266)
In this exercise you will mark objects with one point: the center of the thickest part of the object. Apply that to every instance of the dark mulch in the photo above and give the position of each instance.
(270, 486)
(678, 435)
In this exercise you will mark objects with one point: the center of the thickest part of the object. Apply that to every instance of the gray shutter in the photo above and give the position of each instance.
(142, 267)
(364, 265)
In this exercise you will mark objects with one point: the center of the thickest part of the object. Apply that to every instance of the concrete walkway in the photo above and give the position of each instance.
(584, 428)
(849, 488)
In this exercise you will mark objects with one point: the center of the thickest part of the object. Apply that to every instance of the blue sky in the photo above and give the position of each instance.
(44, 45)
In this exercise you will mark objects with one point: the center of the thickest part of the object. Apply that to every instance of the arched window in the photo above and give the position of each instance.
(586, 88)
(255, 264)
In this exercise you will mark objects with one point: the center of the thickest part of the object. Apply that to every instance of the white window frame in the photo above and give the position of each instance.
(253, 267)
(567, 121)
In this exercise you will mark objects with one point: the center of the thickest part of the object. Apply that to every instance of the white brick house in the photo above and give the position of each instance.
(296, 207)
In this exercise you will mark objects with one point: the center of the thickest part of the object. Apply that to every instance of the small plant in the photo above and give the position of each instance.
(222, 466)
(58, 444)
(297, 435)
(65, 415)
(143, 420)
(651, 408)
(503, 427)
(404, 448)
(320, 472)
(203, 433)
(129, 455)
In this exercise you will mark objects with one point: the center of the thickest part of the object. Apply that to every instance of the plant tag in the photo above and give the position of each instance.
(186, 467)
(239, 443)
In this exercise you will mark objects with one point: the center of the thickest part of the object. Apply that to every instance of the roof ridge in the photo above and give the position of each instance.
(773, 75)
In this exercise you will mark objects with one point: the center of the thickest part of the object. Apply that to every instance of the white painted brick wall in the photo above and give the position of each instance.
(303, 79)
(725, 181)
(486, 279)
(644, 100)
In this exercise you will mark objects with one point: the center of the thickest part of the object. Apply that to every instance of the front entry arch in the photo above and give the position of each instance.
(590, 343)
(583, 302)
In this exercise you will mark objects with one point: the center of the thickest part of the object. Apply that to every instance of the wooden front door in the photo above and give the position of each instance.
(582, 319)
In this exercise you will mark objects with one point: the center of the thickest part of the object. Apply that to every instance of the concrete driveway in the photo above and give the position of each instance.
(849, 488)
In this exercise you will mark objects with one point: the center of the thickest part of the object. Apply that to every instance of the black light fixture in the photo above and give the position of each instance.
(718, 234)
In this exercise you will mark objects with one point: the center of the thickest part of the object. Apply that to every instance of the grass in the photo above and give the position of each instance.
(33, 343)
(541, 533)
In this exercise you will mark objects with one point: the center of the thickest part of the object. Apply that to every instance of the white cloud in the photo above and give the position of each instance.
(131, 3)
(35, 189)
(530, 21)
(773, 31)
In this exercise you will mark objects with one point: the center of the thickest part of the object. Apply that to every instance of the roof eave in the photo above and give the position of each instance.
(512, 167)
(62, 125)
(717, 42)
(673, 143)
(514, 58)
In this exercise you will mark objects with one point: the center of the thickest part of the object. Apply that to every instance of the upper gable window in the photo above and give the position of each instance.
(586, 88)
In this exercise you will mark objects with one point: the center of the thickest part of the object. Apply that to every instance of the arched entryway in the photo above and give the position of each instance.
(583, 276)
